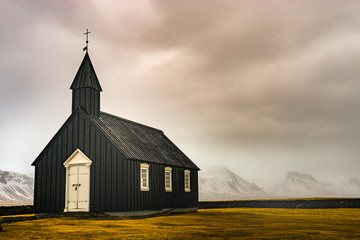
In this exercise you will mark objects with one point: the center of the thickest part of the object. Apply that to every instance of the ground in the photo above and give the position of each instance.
(241, 223)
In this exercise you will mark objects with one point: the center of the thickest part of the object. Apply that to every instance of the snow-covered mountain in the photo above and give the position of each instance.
(15, 188)
(219, 183)
(351, 187)
(304, 185)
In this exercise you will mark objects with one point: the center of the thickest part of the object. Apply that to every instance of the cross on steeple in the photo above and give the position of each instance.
(87, 40)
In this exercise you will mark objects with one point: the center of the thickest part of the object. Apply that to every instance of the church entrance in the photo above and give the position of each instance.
(77, 195)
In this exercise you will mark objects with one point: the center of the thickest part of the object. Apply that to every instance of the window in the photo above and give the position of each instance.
(144, 177)
(168, 180)
(187, 180)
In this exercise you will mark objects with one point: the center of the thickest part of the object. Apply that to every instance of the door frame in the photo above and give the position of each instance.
(72, 161)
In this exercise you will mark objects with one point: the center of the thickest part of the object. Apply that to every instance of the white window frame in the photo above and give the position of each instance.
(144, 166)
(168, 170)
(187, 173)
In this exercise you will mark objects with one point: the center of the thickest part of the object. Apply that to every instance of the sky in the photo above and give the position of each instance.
(261, 87)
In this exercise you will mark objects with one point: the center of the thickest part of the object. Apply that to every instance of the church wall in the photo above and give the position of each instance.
(128, 197)
(117, 186)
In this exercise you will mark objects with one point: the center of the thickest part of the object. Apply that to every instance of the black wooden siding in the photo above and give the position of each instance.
(114, 180)
(88, 98)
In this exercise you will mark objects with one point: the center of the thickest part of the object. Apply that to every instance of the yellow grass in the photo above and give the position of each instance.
(241, 223)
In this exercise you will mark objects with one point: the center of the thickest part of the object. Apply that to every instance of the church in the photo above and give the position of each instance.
(98, 162)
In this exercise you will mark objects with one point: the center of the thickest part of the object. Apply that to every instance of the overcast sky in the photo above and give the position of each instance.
(262, 87)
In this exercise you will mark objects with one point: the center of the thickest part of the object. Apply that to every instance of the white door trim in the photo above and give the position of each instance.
(78, 158)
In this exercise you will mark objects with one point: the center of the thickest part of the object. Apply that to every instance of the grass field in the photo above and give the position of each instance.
(241, 223)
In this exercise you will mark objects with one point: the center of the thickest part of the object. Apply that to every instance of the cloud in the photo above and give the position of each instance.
(246, 81)
(250, 62)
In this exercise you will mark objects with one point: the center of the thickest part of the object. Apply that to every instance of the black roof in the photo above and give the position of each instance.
(86, 76)
(136, 141)
(141, 142)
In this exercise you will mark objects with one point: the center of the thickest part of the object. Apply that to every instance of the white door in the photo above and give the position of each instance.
(77, 195)
(78, 187)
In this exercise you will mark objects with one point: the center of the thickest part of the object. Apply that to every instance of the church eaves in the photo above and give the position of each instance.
(86, 76)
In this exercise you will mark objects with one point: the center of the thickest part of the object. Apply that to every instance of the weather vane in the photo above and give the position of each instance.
(87, 40)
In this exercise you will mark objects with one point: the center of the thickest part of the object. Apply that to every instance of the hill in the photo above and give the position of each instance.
(219, 183)
(15, 188)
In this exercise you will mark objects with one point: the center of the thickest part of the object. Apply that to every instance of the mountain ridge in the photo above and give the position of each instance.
(295, 185)
(219, 183)
(15, 188)
(298, 184)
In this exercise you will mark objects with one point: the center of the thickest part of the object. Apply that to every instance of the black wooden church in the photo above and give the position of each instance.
(98, 162)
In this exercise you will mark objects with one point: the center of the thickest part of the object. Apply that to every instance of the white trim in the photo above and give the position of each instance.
(74, 161)
(187, 188)
(146, 167)
(168, 169)
(84, 161)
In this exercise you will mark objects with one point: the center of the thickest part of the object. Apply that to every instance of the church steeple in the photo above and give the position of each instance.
(86, 88)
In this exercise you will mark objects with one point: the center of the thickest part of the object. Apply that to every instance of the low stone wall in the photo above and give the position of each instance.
(151, 212)
(286, 203)
(16, 210)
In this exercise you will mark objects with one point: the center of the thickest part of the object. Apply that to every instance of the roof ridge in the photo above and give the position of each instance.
(130, 121)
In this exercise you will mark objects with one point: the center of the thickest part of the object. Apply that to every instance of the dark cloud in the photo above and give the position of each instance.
(260, 75)
(274, 61)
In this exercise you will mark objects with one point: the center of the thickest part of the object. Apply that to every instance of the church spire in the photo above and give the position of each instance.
(86, 88)
(86, 76)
